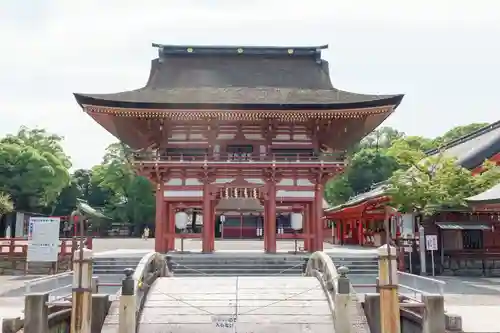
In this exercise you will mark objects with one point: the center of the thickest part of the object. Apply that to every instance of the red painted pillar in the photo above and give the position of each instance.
(207, 238)
(271, 217)
(159, 220)
(361, 230)
(305, 228)
(170, 227)
(312, 227)
(212, 224)
(264, 226)
(318, 208)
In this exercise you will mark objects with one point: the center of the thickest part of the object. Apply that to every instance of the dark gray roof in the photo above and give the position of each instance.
(473, 149)
(185, 76)
(491, 196)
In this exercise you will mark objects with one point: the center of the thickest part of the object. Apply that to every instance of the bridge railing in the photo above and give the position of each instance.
(125, 310)
(347, 312)
(414, 286)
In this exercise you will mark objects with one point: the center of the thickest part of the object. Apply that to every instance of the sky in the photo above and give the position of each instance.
(444, 55)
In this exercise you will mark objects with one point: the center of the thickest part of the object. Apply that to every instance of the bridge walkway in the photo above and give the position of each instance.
(255, 304)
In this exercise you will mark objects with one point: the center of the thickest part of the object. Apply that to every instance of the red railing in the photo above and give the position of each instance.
(17, 248)
(337, 157)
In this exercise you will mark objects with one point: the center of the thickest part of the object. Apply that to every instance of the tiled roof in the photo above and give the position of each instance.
(490, 196)
(473, 149)
(223, 76)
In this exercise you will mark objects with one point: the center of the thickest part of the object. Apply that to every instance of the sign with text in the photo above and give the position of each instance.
(431, 242)
(43, 239)
(224, 321)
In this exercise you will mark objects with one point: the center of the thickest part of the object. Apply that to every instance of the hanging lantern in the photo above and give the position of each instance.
(296, 221)
(181, 220)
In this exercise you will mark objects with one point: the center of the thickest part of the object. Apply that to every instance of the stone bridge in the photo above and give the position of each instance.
(253, 304)
(274, 304)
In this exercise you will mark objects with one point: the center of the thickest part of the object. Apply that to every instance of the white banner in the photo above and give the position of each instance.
(43, 239)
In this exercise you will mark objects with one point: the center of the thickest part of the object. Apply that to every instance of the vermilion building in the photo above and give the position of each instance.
(361, 219)
(259, 129)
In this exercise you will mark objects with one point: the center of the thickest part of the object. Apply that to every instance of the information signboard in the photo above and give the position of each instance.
(43, 239)
(431, 242)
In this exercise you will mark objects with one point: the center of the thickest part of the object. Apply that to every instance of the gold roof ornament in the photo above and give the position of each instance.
(189, 50)
(240, 50)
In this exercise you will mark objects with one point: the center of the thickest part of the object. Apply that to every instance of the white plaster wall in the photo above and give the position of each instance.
(189, 194)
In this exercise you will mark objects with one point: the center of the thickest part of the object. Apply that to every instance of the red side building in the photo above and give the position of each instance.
(361, 219)
(252, 130)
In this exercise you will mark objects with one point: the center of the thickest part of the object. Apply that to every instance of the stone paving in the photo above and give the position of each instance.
(11, 307)
(236, 304)
(132, 245)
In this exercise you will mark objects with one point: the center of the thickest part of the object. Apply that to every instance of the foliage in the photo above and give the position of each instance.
(132, 198)
(458, 132)
(366, 167)
(438, 181)
(6, 204)
(385, 151)
(34, 178)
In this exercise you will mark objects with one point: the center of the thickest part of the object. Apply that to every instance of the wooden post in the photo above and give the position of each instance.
(342, 298)
(433, 319)
(36, 313)
(318, 217)
(159, 223)
(128, 306)
(170, 227)
(207, 225)
(82, 291)
(388, 285)
(271, 217)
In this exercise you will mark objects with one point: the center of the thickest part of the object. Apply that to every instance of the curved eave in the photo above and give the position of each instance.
(111, 101)
(357, 207)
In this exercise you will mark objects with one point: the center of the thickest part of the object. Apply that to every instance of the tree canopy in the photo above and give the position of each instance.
(417, 182)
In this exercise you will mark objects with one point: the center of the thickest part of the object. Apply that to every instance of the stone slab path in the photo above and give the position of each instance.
(236, 304)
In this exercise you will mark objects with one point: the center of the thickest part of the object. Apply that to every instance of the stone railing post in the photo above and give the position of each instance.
(372, 311)
(304, 265)
(388, 285)
(82, 291)
(127, 312)
(95, 285)
(433, 319)
(36, 313)
(170, 267)
(100, 305)
(342, 299)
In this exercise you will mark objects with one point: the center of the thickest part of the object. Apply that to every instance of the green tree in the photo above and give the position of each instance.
(34, 168)
(6, 204)
(437, 181)
(132, 198)
(33, 178)
(338, 190)
(366, 167)
(458, 132)
(82, 187)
